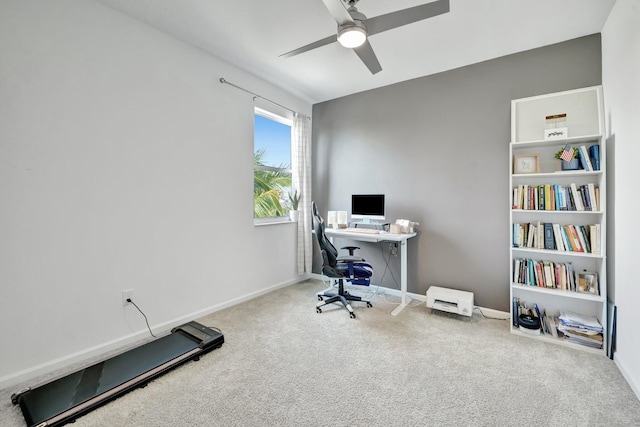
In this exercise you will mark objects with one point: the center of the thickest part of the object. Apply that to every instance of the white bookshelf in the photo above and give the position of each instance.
(585, 123)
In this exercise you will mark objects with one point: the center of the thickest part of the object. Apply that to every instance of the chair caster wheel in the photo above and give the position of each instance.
(352, 315)
(369, 304)
(320, 298)
(318, 310)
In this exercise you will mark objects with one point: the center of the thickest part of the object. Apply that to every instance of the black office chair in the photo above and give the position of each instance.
(351, 268)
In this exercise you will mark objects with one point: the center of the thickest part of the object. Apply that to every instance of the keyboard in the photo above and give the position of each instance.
(362, 230)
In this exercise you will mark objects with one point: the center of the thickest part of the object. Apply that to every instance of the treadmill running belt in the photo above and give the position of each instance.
(104, 381)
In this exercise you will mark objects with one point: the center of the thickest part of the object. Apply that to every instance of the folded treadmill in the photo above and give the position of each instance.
(64, 400)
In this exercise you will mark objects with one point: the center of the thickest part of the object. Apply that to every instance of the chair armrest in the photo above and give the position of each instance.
(351, 249)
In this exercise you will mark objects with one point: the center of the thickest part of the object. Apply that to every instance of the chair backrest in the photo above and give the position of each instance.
(330, 253)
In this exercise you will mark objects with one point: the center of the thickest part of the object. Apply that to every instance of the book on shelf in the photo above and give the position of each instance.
(577, 198)
(531, 235)
(551, 323)
(589, 340)
(575, 241)
(548, 276)
(586, 198)
(568, 198)
(583, 235)
(594, 156)
(548, 236)
(594, 238)
(561, 197)
(553, 275)
(557, 234)
(553, 236)
(566, 239)
(591, 191)
(571, 277)
(539, 316)
(556, 197)
(584, 158)
(539, 235)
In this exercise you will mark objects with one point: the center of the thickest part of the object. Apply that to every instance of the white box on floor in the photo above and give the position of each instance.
(450, 300)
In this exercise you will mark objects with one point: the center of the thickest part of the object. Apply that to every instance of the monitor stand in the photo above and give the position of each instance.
(372, 225)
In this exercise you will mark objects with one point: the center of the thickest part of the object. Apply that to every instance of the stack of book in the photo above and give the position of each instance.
(556, 197)
(589, 157)
(580, 329)
(545, 235)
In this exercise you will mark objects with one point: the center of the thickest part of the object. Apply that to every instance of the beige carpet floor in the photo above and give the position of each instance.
(283, 364)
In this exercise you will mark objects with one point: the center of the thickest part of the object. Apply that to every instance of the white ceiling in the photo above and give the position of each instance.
(252, 33)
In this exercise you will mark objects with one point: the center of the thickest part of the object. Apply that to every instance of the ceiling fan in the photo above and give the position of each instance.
(354, 28)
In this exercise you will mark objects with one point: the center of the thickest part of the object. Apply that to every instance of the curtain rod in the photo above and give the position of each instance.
(255, 95)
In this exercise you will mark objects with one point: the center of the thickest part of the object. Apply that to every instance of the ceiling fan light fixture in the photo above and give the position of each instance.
(352, 35)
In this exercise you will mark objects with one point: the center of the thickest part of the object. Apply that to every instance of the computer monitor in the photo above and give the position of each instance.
(367, 207)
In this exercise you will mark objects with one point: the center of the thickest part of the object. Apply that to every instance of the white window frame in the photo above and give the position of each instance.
(288, 122)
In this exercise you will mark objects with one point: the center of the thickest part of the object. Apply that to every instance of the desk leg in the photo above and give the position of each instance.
(403, 279)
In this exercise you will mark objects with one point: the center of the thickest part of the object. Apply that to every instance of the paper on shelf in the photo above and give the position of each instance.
(580, 320)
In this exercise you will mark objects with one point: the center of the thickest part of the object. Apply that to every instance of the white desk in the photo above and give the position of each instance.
(382, 237)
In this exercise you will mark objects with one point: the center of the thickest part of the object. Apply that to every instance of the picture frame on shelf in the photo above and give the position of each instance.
(526, 163)
(588, 283)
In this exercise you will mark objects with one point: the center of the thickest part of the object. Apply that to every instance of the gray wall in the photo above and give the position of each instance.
(437, 146)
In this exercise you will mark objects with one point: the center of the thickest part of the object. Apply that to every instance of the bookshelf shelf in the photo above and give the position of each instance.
(553, 252)
(543, 274)
(555, 142)
(556, 341)
(539, 212)
(556, 174)
(559, 292)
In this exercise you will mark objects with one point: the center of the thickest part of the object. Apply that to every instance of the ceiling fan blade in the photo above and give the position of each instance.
(338, 11)
(368, 56)
(381, 23)
(319, 43)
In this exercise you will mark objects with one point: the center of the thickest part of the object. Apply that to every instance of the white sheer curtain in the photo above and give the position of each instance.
(301, 177)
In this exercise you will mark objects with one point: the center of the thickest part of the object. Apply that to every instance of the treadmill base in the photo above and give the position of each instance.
(64, 400)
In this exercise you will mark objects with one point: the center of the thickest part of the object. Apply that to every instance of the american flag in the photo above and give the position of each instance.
(567, 153)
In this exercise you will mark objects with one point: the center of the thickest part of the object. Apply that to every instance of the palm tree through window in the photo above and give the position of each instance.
(271, 165)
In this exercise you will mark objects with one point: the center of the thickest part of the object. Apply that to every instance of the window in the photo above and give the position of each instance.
(271, 165)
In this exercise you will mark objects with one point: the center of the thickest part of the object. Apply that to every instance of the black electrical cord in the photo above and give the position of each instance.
(215, 329)
(144, 315)
(386, 265)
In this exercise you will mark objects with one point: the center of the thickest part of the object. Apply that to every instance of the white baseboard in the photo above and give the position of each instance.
(621, 364)
(381, 290)
(92, 355)
(495, 314)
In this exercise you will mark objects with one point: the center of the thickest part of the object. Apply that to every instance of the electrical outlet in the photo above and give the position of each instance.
(393, 248)
(126, 294)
